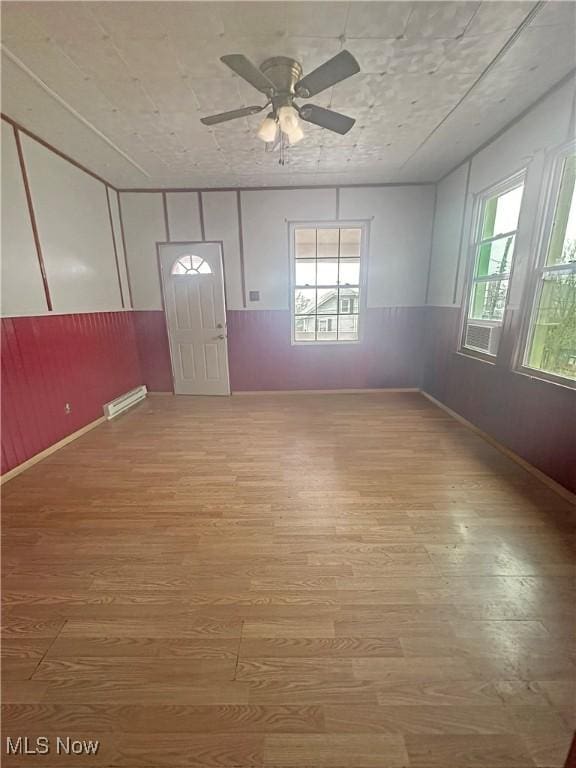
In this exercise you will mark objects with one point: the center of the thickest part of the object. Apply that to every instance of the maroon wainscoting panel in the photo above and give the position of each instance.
(262, 357)
(85, 360)
(536, 419)
(154, 350)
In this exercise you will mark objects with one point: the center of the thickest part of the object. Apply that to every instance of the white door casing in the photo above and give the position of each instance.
(193, 288)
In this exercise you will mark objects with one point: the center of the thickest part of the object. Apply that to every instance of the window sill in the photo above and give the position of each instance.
(325, 343)
(471, 354)
(548, 378)
(527, 373)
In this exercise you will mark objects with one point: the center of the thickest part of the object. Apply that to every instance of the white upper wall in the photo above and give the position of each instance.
(144, 226)
(526, 144)
(221, 223)
(400, 222)
(74, 229)
(265, 217)
(22, 288)
(450, 199)
(184, 216)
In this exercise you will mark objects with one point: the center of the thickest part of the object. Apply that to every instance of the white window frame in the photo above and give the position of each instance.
(531, 299)
(475, 242)
(347, 224)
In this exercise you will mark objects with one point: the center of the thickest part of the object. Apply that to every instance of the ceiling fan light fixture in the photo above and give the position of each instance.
(288, 118)
(295, 134)
(290, 124)
(268, 130)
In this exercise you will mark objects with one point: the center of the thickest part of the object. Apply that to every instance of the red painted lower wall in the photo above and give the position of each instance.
(154, 350)
(88, 359)
(536, 419)
(263, 358)
(85, 360)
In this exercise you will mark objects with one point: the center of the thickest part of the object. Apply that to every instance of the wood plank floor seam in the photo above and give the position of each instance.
(46, 652)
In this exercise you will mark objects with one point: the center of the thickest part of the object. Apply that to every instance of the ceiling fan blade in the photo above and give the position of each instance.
(334, 70)
(326, 118)
(242, 66)
(223, 117)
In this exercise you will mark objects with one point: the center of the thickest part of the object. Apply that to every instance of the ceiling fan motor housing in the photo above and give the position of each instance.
(284, 73)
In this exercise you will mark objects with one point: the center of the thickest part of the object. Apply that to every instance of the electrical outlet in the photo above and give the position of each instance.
(254, 295)
(67, 409)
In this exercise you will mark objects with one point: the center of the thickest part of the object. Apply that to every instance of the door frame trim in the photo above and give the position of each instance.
(160, 243)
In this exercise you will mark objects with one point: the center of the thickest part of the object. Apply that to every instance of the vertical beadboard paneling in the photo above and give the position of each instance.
(47, 361)
(497, 400)
(154, 350)
(263, 358)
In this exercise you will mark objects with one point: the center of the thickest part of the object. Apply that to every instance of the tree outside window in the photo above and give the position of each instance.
(552, 337)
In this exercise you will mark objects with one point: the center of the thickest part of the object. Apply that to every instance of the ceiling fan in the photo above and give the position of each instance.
(280, 80)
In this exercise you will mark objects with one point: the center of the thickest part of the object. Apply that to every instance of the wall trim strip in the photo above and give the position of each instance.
(241, 247)
(50, 450)
(432, 231)
(382, 391)
(125, 250)
(462, 233)
(166, 221)
(201, 215)
(295, 187)
(35, 234)
(114, 246)
(552, 484)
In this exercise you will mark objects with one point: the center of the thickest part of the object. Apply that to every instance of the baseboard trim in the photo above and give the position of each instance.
(537, 473)
(382, 391)
(50, 450)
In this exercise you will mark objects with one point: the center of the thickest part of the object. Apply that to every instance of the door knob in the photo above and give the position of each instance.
(221, 336)
(219, 325)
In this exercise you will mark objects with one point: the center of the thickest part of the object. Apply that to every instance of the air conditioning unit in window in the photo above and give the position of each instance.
(482, 336)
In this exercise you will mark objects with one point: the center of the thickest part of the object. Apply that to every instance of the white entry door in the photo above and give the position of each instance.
(193, 285)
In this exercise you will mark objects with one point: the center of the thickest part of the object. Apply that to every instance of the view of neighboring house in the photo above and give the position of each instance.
(334, 316)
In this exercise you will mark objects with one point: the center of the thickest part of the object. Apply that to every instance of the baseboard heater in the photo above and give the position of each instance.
(122, 403)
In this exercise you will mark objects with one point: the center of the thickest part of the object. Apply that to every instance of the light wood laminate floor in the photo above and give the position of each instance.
(333, 581)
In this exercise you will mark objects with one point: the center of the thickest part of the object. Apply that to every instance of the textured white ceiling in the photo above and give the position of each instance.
(121, 86)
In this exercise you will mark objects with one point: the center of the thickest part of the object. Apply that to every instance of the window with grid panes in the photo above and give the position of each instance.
(551, 342)
(326, 283)
(493, 253)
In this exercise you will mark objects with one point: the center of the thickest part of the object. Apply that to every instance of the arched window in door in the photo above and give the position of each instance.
(190, 265)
